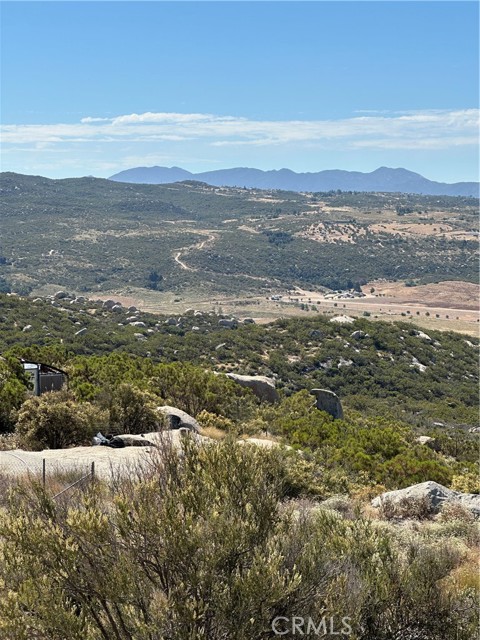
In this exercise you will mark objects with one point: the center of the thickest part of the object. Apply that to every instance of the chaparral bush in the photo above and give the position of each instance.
(201, 545)
(55, 420)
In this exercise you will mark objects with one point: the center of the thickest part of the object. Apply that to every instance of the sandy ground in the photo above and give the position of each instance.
(448, 294)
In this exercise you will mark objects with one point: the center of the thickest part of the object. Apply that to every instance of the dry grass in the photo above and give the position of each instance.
(212, 432)
(451, 294)
(466, 576)
(413, 229)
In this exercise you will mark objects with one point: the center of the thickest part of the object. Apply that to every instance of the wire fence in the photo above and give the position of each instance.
(56, 478)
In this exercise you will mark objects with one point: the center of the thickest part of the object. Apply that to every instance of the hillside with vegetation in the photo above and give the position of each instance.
(221, 538)
(219, 541)
(385, 374)
(267, 509)
(90, 235)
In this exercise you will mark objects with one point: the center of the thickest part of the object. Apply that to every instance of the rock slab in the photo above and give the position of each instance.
(435, 493)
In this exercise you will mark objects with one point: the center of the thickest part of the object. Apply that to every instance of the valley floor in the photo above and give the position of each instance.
(446, 306)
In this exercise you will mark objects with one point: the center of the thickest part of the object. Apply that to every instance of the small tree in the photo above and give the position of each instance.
(154, 280)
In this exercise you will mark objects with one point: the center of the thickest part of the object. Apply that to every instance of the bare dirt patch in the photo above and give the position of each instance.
(274, 200)
(449, 294)
(412, 229)
(248, 229)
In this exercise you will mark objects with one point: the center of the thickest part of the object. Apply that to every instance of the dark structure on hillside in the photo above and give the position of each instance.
(44, 377)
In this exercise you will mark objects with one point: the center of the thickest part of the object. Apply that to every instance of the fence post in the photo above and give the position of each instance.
(43, 472)
(93, 470)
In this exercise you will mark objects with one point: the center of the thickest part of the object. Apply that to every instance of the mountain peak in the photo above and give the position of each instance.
(383, 179)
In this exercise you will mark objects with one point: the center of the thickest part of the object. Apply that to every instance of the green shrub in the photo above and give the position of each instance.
(467, 482)
(55, 420)
(194, 390)
(131, 410)
(13, 389)
(209, 420)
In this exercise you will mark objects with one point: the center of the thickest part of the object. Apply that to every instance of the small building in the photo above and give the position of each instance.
(44, 377)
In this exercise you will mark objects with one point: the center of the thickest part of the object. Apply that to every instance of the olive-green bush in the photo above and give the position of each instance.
(55, 420)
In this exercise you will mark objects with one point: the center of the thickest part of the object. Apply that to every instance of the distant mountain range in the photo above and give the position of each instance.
(383, 179)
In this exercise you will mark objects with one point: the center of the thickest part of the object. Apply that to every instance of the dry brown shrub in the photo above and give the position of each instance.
(455, 511)
(9, 441)
(407, 508)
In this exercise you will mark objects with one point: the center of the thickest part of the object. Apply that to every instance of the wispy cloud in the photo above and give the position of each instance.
(424, 129)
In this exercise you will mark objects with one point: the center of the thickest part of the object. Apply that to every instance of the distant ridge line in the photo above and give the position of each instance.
(383, 179)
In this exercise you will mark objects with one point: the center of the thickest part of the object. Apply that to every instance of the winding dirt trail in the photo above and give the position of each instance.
(211, 237)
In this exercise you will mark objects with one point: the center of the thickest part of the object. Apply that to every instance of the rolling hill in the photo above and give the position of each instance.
(92, 235)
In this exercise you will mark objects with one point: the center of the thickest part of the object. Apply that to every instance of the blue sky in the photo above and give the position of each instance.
(97, 87)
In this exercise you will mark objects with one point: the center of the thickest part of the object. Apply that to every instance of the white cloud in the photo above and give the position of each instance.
(423, 143)
(433, 129)
(88, 120)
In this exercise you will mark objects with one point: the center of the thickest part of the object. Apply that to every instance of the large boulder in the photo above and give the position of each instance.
(60, 295)
(428, 442)
(328, 401)
(436, 495)
(262, 387)
(262, 442)
(359, 334)
(178, 419)
(423, 336)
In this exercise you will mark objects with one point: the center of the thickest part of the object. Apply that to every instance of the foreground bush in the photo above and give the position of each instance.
(202, 546)
(54, 421)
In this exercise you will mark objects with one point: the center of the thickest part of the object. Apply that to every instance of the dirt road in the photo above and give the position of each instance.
(198, 245)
